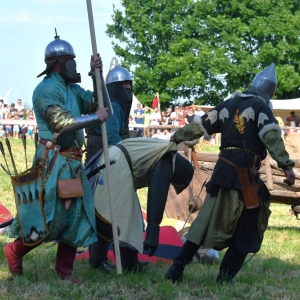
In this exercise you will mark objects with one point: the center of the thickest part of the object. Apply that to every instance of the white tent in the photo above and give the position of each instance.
(281, 108)
(135, 101)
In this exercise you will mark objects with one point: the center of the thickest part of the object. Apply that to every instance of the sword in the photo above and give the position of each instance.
(98, 169)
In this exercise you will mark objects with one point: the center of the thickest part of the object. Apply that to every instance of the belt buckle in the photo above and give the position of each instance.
(57, 148)
(48, 144)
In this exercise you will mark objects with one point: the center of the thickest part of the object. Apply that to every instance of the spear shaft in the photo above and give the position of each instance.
(104, 141)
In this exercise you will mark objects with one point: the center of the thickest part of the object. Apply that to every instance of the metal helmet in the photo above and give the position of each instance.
(58, 47)
(61, 52)
(117, 73)
(266, 80)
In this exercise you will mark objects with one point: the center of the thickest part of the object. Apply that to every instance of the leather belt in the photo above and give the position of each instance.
(49, 145)
(70, 153)
(236, 148)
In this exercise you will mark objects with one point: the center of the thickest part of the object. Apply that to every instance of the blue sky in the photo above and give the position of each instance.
(26, 28)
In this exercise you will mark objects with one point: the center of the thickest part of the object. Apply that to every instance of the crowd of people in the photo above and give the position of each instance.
(154, 116)
(17, 114)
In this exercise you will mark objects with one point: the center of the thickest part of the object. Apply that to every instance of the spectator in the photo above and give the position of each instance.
(21, 114)
(168, 115)
(294, 118)
(193, 106)
(186, 110)
(6, 110)
(16, 126)
(189, 117)
(291, 124)
(164, 119)
(182, 114)
(146, 120)
(2, 131)
(166, 134)
(13, 110)
(19, 105)
(138, 114)
(155, 117)
(30, 128)
(279, 121)
(199, 111)
(8, 127)
(2, 116)
(287, 122)
(280, 124)
(30, 115)
(131, 121)
(176, 116)
(158, 134)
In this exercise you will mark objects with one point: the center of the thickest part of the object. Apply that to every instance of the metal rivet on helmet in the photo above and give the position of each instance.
(117, 74)
(59, 47)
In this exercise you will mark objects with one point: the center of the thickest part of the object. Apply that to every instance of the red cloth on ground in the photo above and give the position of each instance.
(5, 214)
(168, 236)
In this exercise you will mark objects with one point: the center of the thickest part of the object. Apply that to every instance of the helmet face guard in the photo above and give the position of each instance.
(68, 70)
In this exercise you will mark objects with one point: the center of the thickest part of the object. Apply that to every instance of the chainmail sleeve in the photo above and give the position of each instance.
(58, 118)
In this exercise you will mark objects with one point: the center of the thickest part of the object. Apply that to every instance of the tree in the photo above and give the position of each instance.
(205, 50)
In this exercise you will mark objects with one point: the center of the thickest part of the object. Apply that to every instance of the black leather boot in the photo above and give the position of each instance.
(175, 272)
(98, 256)
(230, 265)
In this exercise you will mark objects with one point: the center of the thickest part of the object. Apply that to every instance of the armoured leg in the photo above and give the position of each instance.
(98, 255)
(65, 257)
(230, 265)
(130, 262)
(14, 253)
(158, 189)
(175, 272)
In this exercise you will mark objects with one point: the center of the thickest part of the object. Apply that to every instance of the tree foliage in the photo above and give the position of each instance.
(204, 50)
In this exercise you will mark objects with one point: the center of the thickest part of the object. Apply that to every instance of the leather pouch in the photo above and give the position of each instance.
(70, 188)
(249, 189)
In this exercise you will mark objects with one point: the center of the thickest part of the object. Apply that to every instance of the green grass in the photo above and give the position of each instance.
(271, 274)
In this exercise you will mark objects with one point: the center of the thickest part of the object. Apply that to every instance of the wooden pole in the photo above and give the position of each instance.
(104, 141)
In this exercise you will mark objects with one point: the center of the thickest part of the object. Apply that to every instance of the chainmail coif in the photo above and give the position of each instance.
(117, 93)
(251, 90)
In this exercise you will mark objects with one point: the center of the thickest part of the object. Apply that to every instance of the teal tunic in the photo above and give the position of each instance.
(77, 225)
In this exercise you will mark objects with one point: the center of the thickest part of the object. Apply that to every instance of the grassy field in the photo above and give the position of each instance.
(271, 274)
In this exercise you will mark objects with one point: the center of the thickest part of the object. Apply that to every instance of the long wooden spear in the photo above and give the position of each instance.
(104, 140)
